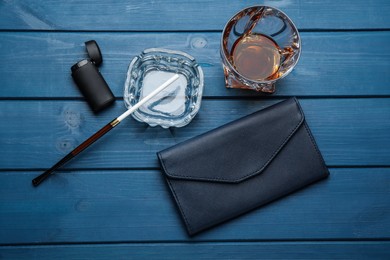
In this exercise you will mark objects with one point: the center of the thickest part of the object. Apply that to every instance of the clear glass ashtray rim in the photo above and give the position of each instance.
(164, 123)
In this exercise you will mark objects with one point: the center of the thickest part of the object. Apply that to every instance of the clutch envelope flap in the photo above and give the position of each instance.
(236, 151)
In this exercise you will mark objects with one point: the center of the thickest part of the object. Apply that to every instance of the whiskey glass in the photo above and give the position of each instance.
(259, 45)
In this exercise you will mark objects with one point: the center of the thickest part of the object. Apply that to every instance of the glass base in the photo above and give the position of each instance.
(231, 82)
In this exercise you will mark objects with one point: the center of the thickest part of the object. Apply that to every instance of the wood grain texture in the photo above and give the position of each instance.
(118, 206)
(37, 64)
(348, 132)
(183, 15)
(112, 202)
(227, 250)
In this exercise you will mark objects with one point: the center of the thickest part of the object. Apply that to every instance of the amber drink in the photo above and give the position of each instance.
(259, 45)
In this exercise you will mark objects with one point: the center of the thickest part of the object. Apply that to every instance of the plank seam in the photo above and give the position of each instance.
(67, 170)
(256, 96)
(276, 241)
(319, 30)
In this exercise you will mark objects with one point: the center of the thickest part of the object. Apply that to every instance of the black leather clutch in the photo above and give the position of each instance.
(242, 165)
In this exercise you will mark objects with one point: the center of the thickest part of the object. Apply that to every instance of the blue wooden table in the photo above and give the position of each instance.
(112, 202)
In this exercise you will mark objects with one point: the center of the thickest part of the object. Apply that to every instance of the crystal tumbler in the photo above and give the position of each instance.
(259, 46)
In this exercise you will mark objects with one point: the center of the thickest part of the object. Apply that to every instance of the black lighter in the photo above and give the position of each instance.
(90, 81)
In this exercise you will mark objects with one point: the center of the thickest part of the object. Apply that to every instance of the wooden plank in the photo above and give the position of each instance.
(338, 64)
(237, 250)
(184, 15)
(117, 206)
(36, 134)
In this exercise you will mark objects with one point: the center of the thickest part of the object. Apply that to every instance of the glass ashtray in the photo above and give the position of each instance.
(175, 106)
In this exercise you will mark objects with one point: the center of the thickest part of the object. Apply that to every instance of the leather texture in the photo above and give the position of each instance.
(242, 165)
